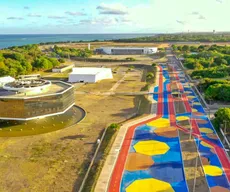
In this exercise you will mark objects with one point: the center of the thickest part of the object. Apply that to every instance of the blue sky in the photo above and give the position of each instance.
(109, 16)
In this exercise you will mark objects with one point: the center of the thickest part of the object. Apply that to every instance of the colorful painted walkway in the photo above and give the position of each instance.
(150, 159)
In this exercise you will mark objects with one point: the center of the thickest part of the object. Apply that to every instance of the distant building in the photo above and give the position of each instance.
(90, 74)
(5, 80)
(126, 50)
(29, 77)
(62, 68)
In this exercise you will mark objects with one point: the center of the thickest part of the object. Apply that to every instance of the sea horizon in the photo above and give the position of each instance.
(9, 40)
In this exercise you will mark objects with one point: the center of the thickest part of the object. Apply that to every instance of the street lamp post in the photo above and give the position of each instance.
(194, 183)
(190, 123)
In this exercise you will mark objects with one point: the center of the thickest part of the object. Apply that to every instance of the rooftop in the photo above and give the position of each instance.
(128, 47)
(63, 66)
(88, 70)
(54, 88)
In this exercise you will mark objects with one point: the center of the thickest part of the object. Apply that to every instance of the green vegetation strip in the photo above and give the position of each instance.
(95, 170)
(150, 77)
(202, 37)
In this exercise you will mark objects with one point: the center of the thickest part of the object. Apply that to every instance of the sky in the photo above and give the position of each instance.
(110, 16)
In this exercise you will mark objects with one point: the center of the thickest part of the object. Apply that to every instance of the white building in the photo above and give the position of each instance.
(5, 80)
(90, 74)
(127, 50)
(62, 69)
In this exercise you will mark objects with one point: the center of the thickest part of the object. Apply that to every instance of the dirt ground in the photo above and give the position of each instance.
(55, 161)
(95, 45)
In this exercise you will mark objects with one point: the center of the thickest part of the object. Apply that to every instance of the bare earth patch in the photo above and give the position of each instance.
(57, 161)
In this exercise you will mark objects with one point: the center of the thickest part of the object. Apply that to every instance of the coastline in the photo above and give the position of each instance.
(12, 40)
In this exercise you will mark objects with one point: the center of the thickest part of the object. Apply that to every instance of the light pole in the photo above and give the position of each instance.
(190, 123)
(225, 126)
(209, 113)
(194, 183)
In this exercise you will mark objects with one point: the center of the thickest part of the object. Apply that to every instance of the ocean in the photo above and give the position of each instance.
(18, 40)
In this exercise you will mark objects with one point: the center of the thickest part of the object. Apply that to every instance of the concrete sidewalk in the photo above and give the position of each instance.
(104, 178)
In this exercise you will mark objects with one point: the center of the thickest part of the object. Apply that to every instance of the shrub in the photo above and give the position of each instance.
(61, 60)
(222, 115)
(130, 59)
(154, 64)
(149, 75)
(114, 127)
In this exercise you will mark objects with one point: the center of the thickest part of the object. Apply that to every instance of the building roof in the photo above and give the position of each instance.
(128, 48)
(56, 87)
(88, 70)
(6, 79)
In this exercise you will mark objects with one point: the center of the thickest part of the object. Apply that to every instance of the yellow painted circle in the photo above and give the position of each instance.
(191, 97)
(205, 144)
(194, 110)
(159, 123)
(149, 185)
(151, 147)
(176, 92)
(182, 118)
(212, 170)
(206, 130)
(196, 103)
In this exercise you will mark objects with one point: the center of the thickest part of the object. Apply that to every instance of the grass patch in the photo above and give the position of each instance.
(150, 77)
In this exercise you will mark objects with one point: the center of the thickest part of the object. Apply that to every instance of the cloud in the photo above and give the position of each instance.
(85, 21)
(112, 9)
(219, 1)
(67, 21)
(113, 12)
(56, 17)
(100, 21)
(124, 20)
(75, 13)
(201, 17)
(106, 21)
(26, 7)
(33, 15)
(181, 22)
(195, 13)
(15, 18)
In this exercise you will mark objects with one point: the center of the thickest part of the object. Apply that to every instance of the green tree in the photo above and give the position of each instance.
(186, 48)
(61, 60)
(150, 75)
(3, 69)
(193, 49)
(222, 116)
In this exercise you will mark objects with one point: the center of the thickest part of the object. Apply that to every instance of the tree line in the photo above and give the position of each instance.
(201, 37)
(72, 52)
(217, 90)
(23, 60)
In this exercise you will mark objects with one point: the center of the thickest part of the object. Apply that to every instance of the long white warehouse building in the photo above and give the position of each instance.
(89, 74)
(127, 50)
